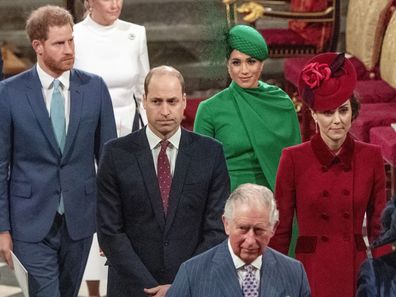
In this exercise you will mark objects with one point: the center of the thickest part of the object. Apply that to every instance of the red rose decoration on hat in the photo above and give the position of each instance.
(314, 73)
(327, 81)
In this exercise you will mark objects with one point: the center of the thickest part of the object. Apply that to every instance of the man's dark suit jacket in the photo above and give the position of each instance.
(213, 274)
(143, 247)
(33, 171)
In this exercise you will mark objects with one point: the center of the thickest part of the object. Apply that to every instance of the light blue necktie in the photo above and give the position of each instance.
(57, 115)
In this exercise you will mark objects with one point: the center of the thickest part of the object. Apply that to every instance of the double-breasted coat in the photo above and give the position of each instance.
(330, 195)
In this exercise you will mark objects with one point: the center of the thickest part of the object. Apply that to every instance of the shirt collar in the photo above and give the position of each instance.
(154, 140)
(238, 263)
(46, 79)
(327, 158)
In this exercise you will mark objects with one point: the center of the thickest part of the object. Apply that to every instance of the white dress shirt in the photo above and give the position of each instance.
(171, 151)
(239, 266)
(47, 89)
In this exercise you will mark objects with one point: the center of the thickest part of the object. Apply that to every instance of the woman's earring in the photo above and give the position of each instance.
(316, 127)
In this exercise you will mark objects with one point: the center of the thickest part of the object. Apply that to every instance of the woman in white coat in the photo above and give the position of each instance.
(117, 51)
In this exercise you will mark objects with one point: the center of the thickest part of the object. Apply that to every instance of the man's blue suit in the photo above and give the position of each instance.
(145, 248)
(213, 274)
(33, 171)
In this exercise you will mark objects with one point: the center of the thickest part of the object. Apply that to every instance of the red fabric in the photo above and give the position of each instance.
(330, 198)
(373, 115)
(385, 137)
(164, 174)
(374, 91)
(281, 37)
(313, 33)
(292, 68)
(189, 113)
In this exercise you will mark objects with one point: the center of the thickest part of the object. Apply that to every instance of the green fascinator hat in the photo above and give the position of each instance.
(247, 40)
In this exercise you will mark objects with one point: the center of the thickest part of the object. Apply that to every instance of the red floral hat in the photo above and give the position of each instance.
(327, 81)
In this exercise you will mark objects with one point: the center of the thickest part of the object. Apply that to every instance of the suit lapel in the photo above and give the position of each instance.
(181, 168)
(146, 164)
(269, 279)
(37, 102)
(76, 99)
(224, 273)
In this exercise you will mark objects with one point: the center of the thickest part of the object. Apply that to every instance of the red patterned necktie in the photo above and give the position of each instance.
(164, 174)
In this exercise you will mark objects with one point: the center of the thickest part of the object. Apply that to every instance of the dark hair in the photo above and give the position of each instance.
(161, 70)
(39, 21)
(355, 106)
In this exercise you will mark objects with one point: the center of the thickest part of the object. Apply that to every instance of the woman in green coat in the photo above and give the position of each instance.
(253, 120)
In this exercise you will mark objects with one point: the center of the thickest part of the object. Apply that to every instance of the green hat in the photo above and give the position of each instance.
(247, 40)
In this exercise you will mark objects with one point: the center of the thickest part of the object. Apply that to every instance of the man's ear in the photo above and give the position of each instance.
(275, 227)
(37, 46)
(144, 101)
(226, 225)
(184, 100)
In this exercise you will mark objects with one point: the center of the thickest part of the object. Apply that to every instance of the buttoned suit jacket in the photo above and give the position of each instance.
(213, 274)
(33, 171)
(145, 248)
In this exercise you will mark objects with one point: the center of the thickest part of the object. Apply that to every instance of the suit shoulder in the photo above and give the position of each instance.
(283, 259)
(203, 259)
(86, 77)
(16, 80)
(128, 142)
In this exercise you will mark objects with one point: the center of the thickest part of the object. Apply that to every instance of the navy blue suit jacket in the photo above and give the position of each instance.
(145, 248)
(377, 277)
(33, 171)
(213, 274)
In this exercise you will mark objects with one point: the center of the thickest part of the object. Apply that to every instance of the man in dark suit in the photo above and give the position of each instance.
(244, 265)
(54, 121)
(161, 191)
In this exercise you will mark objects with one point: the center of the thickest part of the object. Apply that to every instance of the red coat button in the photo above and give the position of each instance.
(324, 216)
(324, 238)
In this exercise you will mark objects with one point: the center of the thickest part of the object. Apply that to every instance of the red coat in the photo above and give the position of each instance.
(330, 196)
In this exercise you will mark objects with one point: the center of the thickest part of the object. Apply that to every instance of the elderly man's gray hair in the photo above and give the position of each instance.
(250, 192)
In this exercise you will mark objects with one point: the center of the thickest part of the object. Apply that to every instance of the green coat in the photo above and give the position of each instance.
(254, 125)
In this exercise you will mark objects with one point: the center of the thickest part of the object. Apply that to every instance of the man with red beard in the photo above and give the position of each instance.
(54, 121)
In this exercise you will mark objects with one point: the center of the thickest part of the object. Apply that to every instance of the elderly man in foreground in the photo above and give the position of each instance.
(243, 265)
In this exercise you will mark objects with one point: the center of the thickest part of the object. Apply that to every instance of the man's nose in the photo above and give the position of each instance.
(250, 237)
(165, 109)
(69, 47)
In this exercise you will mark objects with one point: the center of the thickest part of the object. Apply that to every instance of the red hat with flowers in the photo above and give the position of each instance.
(327, 81)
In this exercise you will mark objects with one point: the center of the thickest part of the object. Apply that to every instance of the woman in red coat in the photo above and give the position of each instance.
(330, 182)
